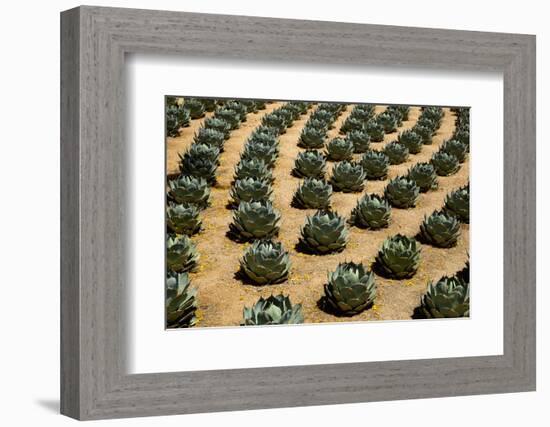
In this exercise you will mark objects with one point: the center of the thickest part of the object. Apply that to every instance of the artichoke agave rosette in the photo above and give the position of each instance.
(274, 310)
(324, 232)
(350, 290)
(448, 298)
(399, 257)
(189, 189)
(402, 192)
(266, 262)
(348, 177)
(181, 254)
(440, 230)
(339, 149)
(372, 211)
(181, 303)
(313, 194)
(309, 164)
(255, 220)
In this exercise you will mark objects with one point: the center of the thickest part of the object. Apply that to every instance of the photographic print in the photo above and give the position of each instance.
(289, 212)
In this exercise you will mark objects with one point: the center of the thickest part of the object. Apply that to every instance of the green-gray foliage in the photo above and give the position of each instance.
(313, 194)
(401, 192)
(397, 153)
(375, 164)
(181, 302)
(339, 149)
(324, 232)
(266, 262)
(274, 310)
(250, 189)
(423, 174)
(399, 257)
(181, 254)
(448, 298)
(189, 189)
(350, 290)
(372, 211)
(440, 230)
(348, 177)
(445, 164)
(183, 218)
(255, 220)
(309, 164)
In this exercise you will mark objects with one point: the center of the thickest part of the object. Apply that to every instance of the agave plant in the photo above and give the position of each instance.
(350, 290)
(181, 302)
(411, 140)
(449, 297)
(399, 257)
(388, 122)
(360, 140)
(275, 121)
(266, 262)
(440, 230)
(312, 137)
(267, 137)
(253, 168)
(180, 113)
(250, 105)
(218, 124)
(375, 131)
(189, 190)
(375, 164)
(199, 167)
(462, 135)
(372, 211)
(317, 124)
(362, 112)
(309, 164)
(232, 117)
(203, 151)
(209, 104)
(402, 192)
(195, 107)
(265, 130)
(339, 149)
(181, 254)
(313, 194)
(324, 232)
(348, 177)
(183, 218)
(324, 116)
(457, 203)
(423, 174)
(352, 123)
(456, 148)
(428, 123)
(249, 190)
(210, 137)
(425, 133)
(300, 107)
(396, 113)
(172, 125)
(397, 153)
(255, 220)
(260, 151)
(274, 310)
(239, 108)
(445, 164)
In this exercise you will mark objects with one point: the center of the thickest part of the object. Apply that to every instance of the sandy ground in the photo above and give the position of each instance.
(222, 296)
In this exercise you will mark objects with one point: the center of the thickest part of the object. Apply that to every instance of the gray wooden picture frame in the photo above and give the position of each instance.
(94, 382)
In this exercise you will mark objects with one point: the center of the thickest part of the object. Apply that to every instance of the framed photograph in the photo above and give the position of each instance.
(262, 213)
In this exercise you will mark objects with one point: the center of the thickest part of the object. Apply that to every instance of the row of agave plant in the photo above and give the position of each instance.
(189, 194)
(351, 287)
